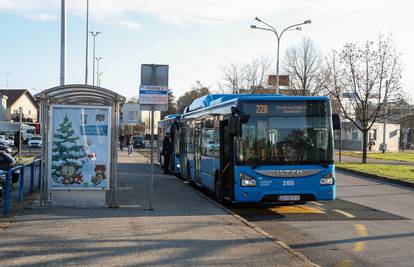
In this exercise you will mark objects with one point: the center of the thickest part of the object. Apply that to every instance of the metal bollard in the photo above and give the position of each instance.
(6, 201)
(31, 177)
(21, 184)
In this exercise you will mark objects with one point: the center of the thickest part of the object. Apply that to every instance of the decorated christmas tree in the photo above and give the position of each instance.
(68, 156)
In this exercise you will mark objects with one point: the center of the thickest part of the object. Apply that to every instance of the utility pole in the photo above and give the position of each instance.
(94, 34)
(87, 42)
(62, 42)
(20, 133)
(7, 79)
(97, 69)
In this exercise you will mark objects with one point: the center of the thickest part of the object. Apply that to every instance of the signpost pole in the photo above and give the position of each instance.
(152, 158)
(153, 96)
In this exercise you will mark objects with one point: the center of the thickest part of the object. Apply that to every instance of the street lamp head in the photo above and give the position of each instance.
(308, 21)
(253, 27)
(257, 18)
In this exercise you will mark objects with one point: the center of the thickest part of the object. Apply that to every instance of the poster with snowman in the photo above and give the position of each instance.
(80, 147)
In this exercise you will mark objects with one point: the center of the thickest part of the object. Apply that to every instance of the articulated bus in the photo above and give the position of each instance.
(170, 124)
(259, 148)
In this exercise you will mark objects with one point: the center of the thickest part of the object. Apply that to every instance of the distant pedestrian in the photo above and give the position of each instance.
(17, 140)
(121, 142)
(130, 145)
(166, 152)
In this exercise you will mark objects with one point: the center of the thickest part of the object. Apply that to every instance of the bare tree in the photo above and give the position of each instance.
(363, 79)
(243, 77)
(304, 64)
(132, 100)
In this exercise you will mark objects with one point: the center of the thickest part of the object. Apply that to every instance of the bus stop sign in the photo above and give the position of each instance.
(153, 92)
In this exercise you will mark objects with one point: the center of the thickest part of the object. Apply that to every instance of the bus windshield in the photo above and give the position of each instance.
(285, 140)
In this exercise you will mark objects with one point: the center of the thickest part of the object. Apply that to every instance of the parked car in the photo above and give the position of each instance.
(7, 162)
(35, 141)
(6, 140)
(138, 141)
(5, 148)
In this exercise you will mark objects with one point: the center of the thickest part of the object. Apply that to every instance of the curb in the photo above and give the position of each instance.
(251, 225)
(376, 177)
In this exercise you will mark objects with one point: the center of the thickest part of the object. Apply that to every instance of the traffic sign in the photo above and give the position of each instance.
(153, 95)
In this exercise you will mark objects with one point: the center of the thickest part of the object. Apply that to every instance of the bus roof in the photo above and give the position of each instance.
(172, 116)
(215, 99)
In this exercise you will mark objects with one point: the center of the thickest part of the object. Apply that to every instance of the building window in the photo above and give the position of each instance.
(373, 134)
(132, 115)
(354, 135)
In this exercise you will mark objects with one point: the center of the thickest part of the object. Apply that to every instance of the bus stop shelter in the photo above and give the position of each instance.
(79, 150)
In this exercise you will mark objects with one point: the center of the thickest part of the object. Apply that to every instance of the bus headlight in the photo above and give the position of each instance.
(327, 179)
(246, 180)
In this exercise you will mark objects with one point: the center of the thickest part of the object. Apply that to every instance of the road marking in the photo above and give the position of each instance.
(362, 231)
(345, 263)
(346, 214)
(317, 203)
(297, 209)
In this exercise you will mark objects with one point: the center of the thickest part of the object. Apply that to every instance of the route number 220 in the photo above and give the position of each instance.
(261, 109)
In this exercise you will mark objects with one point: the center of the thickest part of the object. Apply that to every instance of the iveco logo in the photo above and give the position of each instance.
(288, 173)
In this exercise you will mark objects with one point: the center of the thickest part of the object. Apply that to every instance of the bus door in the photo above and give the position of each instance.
(226, 159)
(172, 157)
(197, 153)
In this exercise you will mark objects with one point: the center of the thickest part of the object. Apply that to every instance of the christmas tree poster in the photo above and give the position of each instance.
(80, 147)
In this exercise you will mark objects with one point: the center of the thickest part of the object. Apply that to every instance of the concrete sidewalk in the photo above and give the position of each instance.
(185, 229)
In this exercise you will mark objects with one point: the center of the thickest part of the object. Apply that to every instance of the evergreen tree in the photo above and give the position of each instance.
(66, 151)
(171, 105)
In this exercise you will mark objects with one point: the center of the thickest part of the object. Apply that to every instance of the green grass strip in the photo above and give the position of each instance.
(399, 172)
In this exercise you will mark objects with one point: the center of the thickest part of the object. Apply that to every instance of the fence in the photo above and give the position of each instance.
(24, 185)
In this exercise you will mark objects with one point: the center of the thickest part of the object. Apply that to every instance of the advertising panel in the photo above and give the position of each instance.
(79, 145)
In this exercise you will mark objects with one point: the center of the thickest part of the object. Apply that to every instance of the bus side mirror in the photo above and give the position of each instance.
(234, 123)
(336, 122)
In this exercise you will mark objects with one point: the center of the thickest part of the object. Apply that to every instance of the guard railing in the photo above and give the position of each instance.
(25, 186)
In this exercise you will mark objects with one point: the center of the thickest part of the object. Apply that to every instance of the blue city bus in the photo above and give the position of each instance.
(170, 124)
(260, 148)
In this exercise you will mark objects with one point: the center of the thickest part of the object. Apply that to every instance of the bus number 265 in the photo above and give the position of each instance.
(288, 183)
(261, 109)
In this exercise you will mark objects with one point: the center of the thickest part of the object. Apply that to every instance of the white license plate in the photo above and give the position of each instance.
(288, 198)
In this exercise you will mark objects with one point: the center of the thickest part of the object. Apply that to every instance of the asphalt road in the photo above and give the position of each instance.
(370, 224)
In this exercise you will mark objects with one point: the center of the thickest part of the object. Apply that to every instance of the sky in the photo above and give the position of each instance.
(195, 38)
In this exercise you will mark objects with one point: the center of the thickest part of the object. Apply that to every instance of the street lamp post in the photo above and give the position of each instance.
(94, 34)
(278, 37)
(62, 42)
(87, 42)
(98, 59)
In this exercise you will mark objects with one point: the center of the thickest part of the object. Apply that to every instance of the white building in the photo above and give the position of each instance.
(19, 98)
(352, 137)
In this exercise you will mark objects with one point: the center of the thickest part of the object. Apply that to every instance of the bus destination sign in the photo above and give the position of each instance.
(294, 108)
